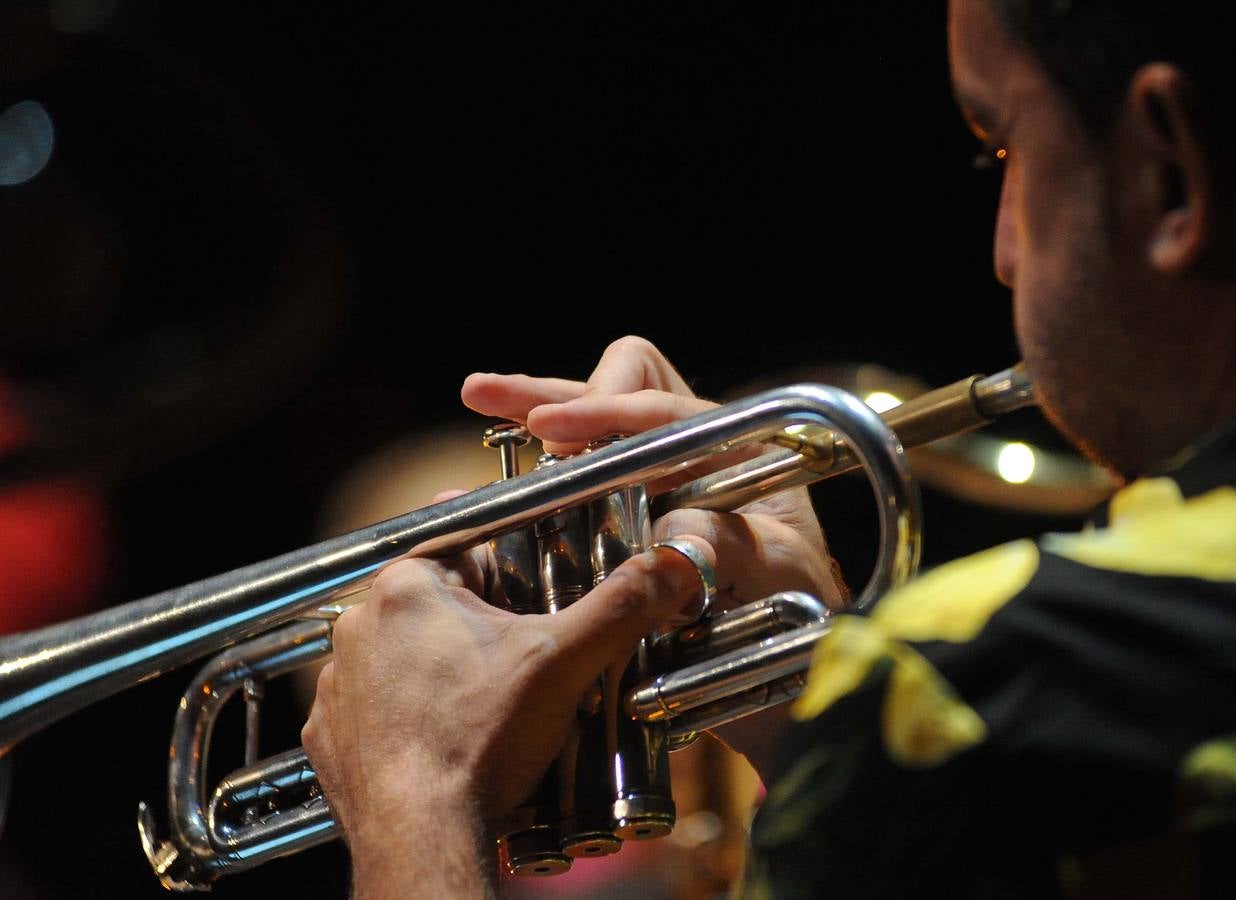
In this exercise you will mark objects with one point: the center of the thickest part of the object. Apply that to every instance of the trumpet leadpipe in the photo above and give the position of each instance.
(812, 454)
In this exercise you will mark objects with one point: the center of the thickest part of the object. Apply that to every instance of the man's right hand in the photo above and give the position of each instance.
(771, 545)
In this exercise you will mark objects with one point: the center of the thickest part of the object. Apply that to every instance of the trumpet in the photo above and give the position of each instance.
(273, 616)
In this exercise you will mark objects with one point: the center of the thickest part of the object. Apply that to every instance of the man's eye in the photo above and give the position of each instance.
(990, 159)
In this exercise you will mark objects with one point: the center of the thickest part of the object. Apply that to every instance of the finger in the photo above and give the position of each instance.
(474, 568)
(751, 564)
(326, 686)
(512, 396)
(412, 588)
(636, 599)
(566, 427)
(471, 569)
(314, 731)
(632, 364)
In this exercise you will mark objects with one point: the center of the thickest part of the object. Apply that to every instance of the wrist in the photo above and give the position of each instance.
(423, 830)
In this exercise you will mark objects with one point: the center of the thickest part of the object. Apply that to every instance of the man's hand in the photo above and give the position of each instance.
(771, 545)
(439, 713)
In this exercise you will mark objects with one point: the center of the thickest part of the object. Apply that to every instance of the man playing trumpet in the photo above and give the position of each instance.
(1045, 718)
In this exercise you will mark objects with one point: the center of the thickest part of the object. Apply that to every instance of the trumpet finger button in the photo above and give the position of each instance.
(507, 438)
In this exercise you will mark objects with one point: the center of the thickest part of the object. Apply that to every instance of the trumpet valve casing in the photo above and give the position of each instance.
(642, 806)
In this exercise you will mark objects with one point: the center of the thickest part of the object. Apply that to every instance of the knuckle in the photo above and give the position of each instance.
(326, 683)
(537, 648)
(389, 581)
(462, 595)
(632, 343)
(313, 732)
(343, 631)
(402, 577)
(309, 735)
(687, 521)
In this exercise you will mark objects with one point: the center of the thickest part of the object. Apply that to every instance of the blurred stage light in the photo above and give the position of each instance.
(26, 138)
(1015, 463)
(882, 401)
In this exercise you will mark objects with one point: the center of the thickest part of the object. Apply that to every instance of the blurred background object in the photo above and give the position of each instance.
(246, 247)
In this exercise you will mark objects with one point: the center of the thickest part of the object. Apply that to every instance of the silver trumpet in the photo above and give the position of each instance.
(716, 670)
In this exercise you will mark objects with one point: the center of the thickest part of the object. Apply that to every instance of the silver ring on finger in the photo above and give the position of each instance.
(707, 574)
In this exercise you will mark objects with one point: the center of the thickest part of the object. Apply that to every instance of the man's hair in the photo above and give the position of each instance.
(1090, 49)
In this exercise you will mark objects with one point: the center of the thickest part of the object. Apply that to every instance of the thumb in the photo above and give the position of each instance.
(639, 597)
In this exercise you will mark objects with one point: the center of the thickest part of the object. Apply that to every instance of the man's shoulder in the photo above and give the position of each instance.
(1034, 644)
(1087, 673)
(1157, 578)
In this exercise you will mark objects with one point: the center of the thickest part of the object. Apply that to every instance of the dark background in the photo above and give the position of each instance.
(275, 235)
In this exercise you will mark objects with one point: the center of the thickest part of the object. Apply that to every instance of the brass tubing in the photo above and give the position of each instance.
(815, 453)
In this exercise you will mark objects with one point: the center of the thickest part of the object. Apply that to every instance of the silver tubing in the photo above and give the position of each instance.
(745, 626)
(199, 853)
(896, 495)
(739, 627)
(703, 692)
(739, 671)
(49, 673)
(737, 706)
(730, 686)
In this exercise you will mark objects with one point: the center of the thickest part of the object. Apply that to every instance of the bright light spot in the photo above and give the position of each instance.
(882, 401)
(1001, 153)
(1015, 463)
(25, 142)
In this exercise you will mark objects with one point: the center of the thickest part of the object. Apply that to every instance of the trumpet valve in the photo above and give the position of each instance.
(535, 852)
(589, 840)
(642, 817)
(507, 438)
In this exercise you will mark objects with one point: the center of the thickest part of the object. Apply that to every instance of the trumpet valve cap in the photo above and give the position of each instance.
(539, 865)
(534, 852)
(508, 438)
(643, 817)
(508, 433)
(591, 846)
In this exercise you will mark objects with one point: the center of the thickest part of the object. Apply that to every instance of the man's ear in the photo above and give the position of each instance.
(1163, 118)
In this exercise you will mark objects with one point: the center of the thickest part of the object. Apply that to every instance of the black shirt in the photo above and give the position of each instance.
(1050, 718)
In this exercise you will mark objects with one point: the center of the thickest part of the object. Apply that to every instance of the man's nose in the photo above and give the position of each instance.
(1005, 252)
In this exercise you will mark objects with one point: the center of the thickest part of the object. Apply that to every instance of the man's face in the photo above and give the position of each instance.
(1053, 241)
